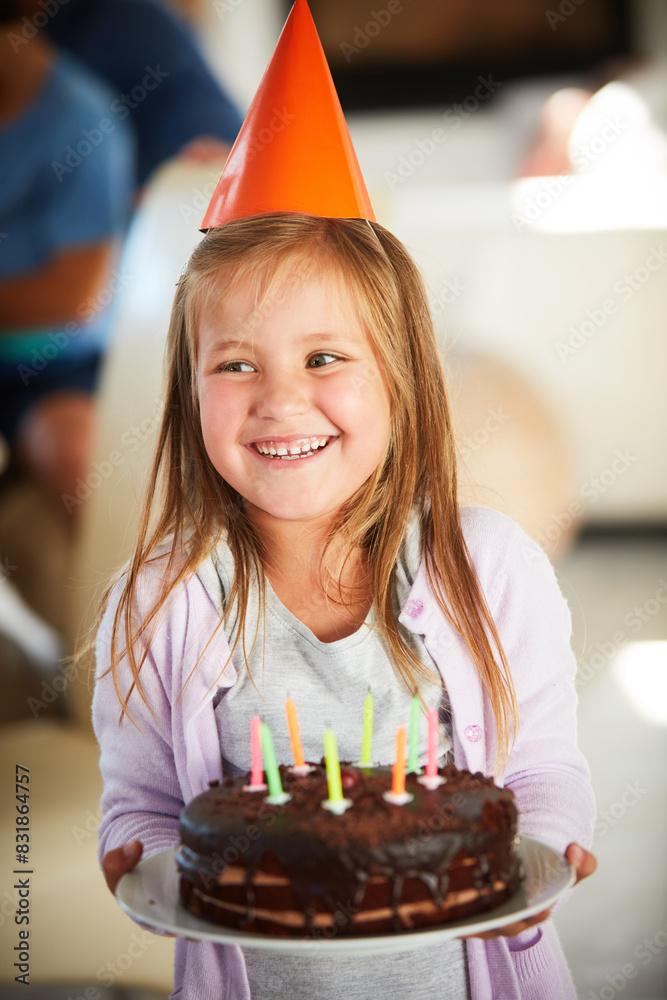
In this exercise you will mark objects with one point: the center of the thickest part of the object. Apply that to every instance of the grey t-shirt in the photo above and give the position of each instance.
(328, 682)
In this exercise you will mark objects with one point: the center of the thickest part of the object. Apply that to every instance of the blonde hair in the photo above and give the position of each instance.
(191, 504)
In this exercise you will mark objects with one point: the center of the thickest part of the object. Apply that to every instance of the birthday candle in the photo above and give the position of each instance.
(333, 767)
(270, 765)
(413, 741)
(398, 770)
(368, 729)
(294, 737)
(432, 744)
(256, 777)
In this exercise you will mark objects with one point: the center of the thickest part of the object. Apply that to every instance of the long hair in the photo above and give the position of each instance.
(189, 506)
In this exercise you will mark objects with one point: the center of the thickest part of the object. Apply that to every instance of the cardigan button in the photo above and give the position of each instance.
(473, 734)
(414, 608)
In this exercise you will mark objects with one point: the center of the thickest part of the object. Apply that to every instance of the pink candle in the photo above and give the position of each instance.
(257, 775)
(432, 743)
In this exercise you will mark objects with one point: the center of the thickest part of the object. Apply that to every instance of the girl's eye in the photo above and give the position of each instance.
(235, 366)
(316, 360)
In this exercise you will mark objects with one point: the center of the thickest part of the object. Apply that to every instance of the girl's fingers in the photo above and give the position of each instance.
(581, 860)
(121, 860)
(584, 864)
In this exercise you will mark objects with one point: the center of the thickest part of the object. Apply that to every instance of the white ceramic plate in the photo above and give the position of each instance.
(149, 893)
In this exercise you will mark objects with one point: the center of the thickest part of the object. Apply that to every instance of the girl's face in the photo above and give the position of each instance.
(295, 412)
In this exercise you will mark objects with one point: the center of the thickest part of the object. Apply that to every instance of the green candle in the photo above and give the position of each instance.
(413, 738)
(270, 765)
(368, 729)
(333, 767)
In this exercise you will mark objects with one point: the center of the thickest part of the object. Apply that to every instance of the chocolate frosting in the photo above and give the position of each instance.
(329, 858)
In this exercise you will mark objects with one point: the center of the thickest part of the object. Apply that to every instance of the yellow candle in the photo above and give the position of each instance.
(333, 766)
(398, 770)
(294, 737)
(368, 729)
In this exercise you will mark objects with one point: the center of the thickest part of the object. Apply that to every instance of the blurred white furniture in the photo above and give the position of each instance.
(576, 301)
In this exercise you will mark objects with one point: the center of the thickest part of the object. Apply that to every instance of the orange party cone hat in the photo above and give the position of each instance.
(294, 152)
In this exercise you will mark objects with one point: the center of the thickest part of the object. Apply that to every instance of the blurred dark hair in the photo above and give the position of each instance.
(10, 10)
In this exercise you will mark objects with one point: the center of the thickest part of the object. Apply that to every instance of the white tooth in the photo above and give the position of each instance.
(281, 451)
(295, 450)
(272, 450)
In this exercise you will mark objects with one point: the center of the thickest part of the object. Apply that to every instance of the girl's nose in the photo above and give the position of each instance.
(281, 396)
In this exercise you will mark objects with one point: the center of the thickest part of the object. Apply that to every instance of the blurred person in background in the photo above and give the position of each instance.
(67, 169)
(94, 96)
(150, 58)
(612, 130)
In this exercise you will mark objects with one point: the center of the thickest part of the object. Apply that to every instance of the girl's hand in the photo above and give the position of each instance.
(118, 862)
(584, 864)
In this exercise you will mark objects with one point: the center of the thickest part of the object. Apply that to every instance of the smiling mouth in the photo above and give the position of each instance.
(304, 448)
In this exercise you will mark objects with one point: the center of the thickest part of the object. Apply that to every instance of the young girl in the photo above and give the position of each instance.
(302, 535)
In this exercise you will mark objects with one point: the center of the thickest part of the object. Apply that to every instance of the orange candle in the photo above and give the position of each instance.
(398, 770)
(294, 737)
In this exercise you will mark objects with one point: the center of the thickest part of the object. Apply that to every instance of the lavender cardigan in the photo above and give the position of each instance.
(149, 773)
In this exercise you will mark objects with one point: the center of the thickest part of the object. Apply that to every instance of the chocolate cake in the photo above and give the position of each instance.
(297, 870)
